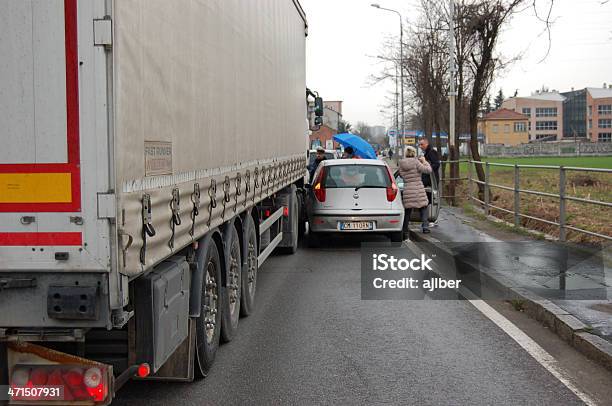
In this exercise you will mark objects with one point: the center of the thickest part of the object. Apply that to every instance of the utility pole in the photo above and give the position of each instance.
(403, 144)
(396, 100)
(453, 93)
(452, 100)
(396, 115)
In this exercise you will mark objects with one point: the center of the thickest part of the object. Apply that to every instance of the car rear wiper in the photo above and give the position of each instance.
(369, 187)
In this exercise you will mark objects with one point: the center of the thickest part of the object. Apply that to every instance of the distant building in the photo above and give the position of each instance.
(504, 126)
(599, 114)
(332, 115)
(334, 105)
(574, 114)
(544, 112)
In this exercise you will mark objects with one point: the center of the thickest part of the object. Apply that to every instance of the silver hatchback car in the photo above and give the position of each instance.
(354, 195)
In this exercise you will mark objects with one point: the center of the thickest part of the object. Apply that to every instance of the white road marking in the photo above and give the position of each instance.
(527, 343)
(534, 349)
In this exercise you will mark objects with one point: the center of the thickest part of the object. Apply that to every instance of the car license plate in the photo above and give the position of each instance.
(357, 225)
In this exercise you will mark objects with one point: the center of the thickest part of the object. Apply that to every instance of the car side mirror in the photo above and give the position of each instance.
(318, 108)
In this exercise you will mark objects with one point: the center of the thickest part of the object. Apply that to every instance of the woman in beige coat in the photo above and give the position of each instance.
(413, 195)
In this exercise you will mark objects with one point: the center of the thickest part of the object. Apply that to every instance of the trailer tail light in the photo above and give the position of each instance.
(393, 189)
(79, 383)
(143, 370)
(319, 186)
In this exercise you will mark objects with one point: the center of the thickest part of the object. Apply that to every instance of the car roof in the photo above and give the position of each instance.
(327, 150)
(372, 162)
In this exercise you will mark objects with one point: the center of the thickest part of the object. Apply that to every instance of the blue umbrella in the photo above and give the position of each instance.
(361, 147)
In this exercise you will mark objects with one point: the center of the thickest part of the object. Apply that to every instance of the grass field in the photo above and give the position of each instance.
(585, 185)
(582, 162)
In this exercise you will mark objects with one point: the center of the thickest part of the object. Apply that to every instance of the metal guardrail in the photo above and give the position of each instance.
(516, 189)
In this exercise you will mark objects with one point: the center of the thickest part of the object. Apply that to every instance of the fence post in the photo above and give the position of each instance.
(470, 176)
(562, 231)
(517, 196)
(486, 188)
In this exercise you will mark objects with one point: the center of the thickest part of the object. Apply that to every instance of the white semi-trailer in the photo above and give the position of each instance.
(152, 156)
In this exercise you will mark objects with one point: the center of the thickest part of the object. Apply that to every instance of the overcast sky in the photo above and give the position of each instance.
(345, 36)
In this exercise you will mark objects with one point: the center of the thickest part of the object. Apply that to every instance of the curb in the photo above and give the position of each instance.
(561, 322)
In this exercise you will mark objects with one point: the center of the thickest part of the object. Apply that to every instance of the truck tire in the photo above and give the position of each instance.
(208, 325)
(293, 219)
(232, 290)
(249, 268)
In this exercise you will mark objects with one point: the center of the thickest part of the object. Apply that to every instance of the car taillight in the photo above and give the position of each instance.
(393, 189)
(319, 187)
(392, 192)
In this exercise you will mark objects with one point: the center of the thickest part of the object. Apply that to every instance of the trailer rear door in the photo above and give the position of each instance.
(53, 137)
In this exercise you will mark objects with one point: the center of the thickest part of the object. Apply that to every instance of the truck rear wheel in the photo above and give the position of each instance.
(249, 268)
(208, 325)
(232, 290)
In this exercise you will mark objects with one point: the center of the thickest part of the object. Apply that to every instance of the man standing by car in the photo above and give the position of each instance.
(433, 158)
(431, 155)
(315, 164)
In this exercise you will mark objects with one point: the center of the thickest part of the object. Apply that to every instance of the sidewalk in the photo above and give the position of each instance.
(575, 304)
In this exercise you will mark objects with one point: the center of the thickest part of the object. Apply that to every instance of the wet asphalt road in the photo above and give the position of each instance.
(312, 340)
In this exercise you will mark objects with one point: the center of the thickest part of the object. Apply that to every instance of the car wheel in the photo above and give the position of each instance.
(396, 236)
(301, 216)
(314, 239)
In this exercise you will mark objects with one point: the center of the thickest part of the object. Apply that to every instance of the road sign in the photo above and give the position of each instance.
(409, 140)
(392, 134)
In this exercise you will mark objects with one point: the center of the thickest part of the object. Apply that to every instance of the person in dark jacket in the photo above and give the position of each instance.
(433, 158)
(320, 157)
(431, 155)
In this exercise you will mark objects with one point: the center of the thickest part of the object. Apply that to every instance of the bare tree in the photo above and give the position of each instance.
(479, 24)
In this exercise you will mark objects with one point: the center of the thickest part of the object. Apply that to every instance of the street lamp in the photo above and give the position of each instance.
(375, 5)
(396, 94)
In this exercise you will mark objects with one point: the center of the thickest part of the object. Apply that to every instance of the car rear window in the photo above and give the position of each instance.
(328, 155)
(352, 176)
